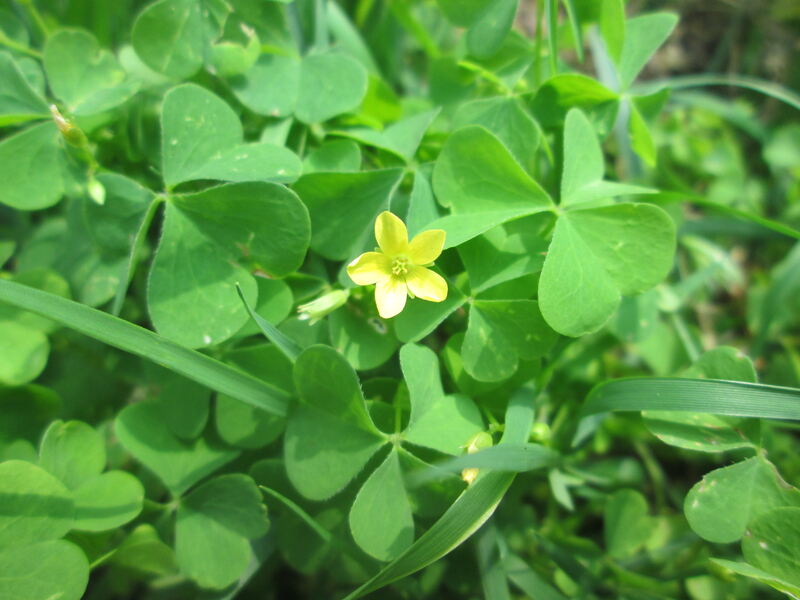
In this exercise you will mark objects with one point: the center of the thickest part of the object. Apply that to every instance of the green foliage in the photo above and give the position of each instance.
(199, 398)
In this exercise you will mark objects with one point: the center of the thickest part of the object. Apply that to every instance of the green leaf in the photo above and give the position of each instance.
(707, 433)
(183, 403)
(330, 84)
(34, 506)
(178, 463)
(245, 426)
(643, 36)
(627, 525)
(444, 423)
(465, 515)
(772, 543)
(147, 344)
(380, 519)
(23, 353)
(477, 176)
(191, 296)
(343, 208)
(695, 395)
(31, 166)
(759, 575)
(19, 102)
(213, 526)
(420, 318)
(612, 26)
(556, 96)
(720, 507)
(329, 434)
(54, 569)
(144, 552)
(401, 138)
(256, 90)
(499, 333)
(83, 75)
(173, 37)
(26, 412)
(73, 452)
(336, 155)
(201, 138)
(464, 12)
(107, 501)
(584, 166)
(366, 344)
(506, 252)
(315, 88)
(596, 256)
(486, 36)
(641, 138)
(507, 119)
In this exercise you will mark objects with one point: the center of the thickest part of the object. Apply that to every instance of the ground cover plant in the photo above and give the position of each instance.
(412, 299)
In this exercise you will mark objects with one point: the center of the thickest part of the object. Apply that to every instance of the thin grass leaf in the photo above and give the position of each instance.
(669, 197)
(504, 457)
(272, 333)
(767, 88)
(466, 515)
(147, 344)
(575, 26)
(712, 396)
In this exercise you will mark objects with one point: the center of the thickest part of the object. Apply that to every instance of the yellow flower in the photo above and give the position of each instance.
(397, 270)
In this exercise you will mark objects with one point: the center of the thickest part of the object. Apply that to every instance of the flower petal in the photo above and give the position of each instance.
(426, 246)
(390, 296)
(391, 234)
(426, 284)
(370, 267)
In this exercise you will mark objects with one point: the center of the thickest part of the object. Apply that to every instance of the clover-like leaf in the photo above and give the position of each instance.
(201, 138)
(179, 464)
(173, 37)
(343, 207)
(192, 293)
(500, 333)
(381, 519)
(597, 255)
(213, 526)
(19, 102)
(720, 506)
(34, 505)
(329, 433)
(31, 168)
(314, 88)
(83, 75)
(479, 179)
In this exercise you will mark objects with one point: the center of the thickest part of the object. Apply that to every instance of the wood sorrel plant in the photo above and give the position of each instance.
(264, 404)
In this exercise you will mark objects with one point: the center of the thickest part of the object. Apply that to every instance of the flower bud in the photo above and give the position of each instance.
(72, 134)
(321, 307)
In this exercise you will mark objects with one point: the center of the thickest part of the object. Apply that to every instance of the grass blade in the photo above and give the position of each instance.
(147, 344)
(290, 349)
(731, 398)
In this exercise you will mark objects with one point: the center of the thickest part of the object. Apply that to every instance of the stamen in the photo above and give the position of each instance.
(399, 265)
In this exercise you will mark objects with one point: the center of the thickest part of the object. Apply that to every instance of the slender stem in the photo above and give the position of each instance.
(136, 247)
(686, 339)
(9, 43)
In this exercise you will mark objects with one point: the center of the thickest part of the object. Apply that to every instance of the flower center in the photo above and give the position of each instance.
(399, 265)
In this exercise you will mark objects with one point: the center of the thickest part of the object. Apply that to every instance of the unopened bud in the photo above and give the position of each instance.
(321, 307)
(72, 134)
(97, 191)
(540, 432)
